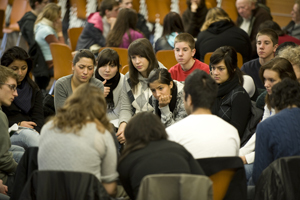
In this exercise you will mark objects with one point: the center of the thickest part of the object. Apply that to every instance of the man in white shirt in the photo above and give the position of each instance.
(201, 133)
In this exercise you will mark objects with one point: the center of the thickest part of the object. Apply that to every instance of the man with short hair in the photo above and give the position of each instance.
(266, 44)
(184, 49)
(251, 15)
(141, 23)
(26, 23)
(293, 28)
(201, 133)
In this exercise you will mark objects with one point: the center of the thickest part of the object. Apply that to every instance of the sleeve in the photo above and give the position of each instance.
(263, 153)
(28, 32)
(248, 149)
(192, 25)
(126, 108)
(267, 113)
(240, 112)
(37, 114)
(60, 95)
(249, 85)
(197, 46)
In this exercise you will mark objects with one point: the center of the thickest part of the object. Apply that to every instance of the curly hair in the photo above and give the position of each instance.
(291, 54)
(86, 104)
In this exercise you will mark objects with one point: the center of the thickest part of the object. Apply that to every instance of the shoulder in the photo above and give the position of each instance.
(175, 68)
(251, 63)
(179, 85)
(65, 80)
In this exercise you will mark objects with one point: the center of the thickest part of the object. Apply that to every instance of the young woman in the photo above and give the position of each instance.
(107, 71)
(171, 28)
(147, 151)
(78, 138)
(124, 31)
(168, 98)
(233, 102)
(83, 70)
(270, 73)
(27, 108)
(136, 94)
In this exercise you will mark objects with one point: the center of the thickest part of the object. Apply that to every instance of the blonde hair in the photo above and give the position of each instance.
(214, 15)
(291, 54)
(86, 104)
(51, 12)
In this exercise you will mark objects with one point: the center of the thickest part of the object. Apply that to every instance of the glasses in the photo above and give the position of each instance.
(12, 87)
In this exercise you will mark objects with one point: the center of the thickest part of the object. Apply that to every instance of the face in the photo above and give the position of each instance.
(83, 70)
(140, 63)
(20, 67)
(159, 89)
(295, 13)
(126, 4)
(113, 13)
(8, 92)
(219, 72)
(244, 8)
(40, 6)
(265, 48)
(297, 71)
(183, 53)
(270, 78)
(108, 71)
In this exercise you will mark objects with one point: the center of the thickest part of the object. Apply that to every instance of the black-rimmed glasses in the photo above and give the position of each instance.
(11, 86)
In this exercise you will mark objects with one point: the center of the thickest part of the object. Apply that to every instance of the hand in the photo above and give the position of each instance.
(164, 100)
(194, 7)
(244, 159)
(57, 25)
(28, 124)
(3, 188)
(120, 134)
(106, 89)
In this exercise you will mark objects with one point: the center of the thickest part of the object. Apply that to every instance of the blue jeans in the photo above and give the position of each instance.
(249, 171)
(26, 138)
(17, 152)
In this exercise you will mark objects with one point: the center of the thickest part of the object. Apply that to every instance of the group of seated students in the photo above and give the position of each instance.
(157, 120)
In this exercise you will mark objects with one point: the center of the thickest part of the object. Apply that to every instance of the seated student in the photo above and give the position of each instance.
(8, 91)
(293, 28)
(292, 55)
(147, 151)
(184, 51)
(278, 136)
(194, 16)
(167, 98)
(202, 133)
(232, 103)
(266, 44)
(219, 30)
(124, 31)
(98, 26)
(83, 70)
(78, 138)
(171, 28)
(107, 71)
(136, 94)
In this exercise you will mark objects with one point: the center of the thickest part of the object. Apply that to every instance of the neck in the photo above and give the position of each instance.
(188, 65)
(144, 74)
(262, 61)
(34, 12)
(201, 111)
(74, 83)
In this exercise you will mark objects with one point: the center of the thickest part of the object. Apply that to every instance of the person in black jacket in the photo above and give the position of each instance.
(218, 30)
(27, 109)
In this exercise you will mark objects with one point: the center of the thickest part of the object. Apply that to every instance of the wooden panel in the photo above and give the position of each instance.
(281, 10)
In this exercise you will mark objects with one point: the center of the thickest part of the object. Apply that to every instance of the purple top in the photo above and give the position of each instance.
(134, 35)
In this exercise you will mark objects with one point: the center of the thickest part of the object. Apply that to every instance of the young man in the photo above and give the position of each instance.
(184, 49)
(201, 133)
(8, 91)
(26, 23)
(141, 23)
(98, 25)
(266, 45)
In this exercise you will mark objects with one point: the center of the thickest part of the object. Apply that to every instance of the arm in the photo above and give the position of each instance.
(37, 113)
(247, 151)
(60, 95)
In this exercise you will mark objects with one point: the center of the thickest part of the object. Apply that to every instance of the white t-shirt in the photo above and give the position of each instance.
(205, 136)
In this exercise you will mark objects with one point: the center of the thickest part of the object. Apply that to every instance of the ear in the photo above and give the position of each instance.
(275, 47)
(189, 100)
(171, 84)
(193, 52)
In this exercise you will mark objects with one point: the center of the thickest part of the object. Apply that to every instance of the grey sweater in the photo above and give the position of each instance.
(63, 89)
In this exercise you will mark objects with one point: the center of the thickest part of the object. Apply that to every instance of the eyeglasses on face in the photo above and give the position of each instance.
(13, 87)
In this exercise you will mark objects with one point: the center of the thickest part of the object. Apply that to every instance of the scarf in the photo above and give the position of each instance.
(23, 100)
(112, 84)
(172, 103)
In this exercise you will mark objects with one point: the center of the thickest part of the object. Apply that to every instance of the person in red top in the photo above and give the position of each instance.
(184, 49)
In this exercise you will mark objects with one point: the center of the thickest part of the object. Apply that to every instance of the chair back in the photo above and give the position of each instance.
(182, 6)
(124, 69)
(230, 8)
(122, 52)
(19, 8)
(136, 5)
(158, 12)
(167, 58)
(3, 4)
(74, 34)
(175, 187)
(80, 6)
(62, 60)
(239, 59)
(210, 3)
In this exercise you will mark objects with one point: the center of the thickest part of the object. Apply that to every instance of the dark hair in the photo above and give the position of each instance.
(107, 5)
(284, 45)
(185, 37)
(285, 94)
(202, 88)
(271, 25)
(280, 65)
(126, 20)
(141, 129)
(17, 53)
(161, 75)
(270, 33)
(229, 55)
(141, 47)
(84, 53)
(172, 23)
(32, 3)
(108, 56)
(188, 3)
